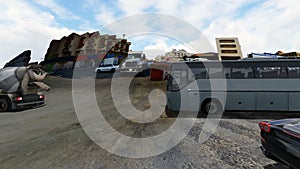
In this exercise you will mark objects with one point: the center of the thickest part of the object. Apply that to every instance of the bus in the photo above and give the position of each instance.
(240, 85)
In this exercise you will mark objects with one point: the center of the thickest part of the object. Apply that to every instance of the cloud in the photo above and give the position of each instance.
(57, 9)
(270, 27)
(131, 7)
(261, 26)
(154, 45)
(105, 16)
(24, 26)
(159, 47)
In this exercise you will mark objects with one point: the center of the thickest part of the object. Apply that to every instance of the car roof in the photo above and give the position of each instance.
(292, 124)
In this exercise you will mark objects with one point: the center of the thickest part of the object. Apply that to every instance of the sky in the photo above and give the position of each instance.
(260, 25)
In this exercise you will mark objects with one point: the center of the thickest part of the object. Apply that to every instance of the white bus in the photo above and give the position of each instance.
(242, 85)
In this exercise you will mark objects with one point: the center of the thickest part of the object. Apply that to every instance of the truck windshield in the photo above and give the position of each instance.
(134, 56)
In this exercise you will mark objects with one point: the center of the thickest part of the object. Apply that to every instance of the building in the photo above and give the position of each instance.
(205, 56)
(263, 56)
(288, 55)
(229, 49)
(176, 55)
(278, 54)
(84, 50)
(20, 60)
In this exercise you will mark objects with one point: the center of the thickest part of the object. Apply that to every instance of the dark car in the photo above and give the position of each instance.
(280, 141)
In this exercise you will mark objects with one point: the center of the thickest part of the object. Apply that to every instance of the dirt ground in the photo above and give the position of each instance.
(52, 137)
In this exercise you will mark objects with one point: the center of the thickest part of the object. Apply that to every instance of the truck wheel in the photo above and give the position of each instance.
(212, 106)
(5, 105)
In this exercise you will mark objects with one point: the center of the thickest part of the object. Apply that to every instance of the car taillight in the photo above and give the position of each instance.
(41, 96)
(19, 98)
(265, 126)
(261, 125)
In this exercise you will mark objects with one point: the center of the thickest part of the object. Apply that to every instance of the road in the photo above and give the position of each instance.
(52, 137)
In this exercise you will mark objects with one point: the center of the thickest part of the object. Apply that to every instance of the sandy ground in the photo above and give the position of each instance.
(52, 137)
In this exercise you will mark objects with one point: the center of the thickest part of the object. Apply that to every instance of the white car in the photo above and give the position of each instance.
(107, 68)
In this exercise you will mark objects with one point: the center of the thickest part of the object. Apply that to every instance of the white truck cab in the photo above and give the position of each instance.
(134, 63)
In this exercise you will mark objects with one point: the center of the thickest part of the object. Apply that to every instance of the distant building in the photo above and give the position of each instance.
(86, 49)
(229, 49)
(159, 58)
(207, 56)
(176, 55)
(263, 55)
(289, 54)
(278, 54)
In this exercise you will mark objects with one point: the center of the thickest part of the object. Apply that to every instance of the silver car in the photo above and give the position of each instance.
(107, 68)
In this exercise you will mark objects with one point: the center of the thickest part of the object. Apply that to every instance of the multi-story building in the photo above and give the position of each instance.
(289, 54)
(86, 49)
(176, 55)
(229, 49)
(204, 56)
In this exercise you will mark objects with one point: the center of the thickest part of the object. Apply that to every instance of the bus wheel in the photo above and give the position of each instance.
(212, 106)
(5, 105)
(170, 113)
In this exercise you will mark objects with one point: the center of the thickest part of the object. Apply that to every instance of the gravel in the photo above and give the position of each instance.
(52, 137)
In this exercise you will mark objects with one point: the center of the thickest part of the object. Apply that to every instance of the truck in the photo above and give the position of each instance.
(22, 87)
(134, 64)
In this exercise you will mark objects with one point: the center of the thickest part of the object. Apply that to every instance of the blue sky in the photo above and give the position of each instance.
(260, 25)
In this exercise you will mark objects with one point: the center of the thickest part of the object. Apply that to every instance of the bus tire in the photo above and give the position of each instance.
(212, 106)
(5, 104)
(170, 113)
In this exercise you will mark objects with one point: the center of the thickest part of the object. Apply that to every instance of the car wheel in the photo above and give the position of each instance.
(212, 106)
(113, 70)
(98, 71)
(5, 105)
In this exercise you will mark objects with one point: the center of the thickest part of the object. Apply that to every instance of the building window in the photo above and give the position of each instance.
(271, 72)
(227, 41)
(228, 46)
(229, 51)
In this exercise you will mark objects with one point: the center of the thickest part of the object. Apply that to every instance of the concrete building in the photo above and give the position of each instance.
(176, 55)
(278, 54)
(229, 49)
(204, 56)
(87, 49)
(289, 54)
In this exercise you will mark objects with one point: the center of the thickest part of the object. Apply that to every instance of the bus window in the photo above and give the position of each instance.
(271, 72)
(179, 79)
(198, 73)
(294, 72)
(216, 73)
(241, 73)
(227, 72)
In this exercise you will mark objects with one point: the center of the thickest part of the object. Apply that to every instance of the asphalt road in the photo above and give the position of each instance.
(52, 137)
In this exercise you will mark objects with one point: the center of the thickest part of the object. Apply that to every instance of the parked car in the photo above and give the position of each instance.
(107, 68)
(280, 141)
